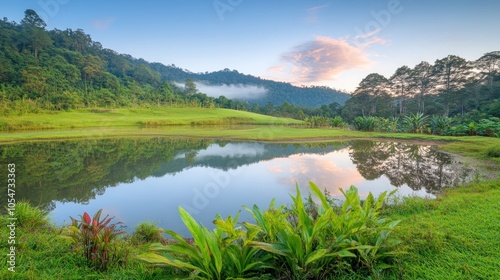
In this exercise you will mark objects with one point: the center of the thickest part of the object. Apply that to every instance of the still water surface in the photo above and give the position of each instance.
(139, 179)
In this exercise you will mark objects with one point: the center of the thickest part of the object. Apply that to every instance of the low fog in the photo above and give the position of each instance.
(233, 91)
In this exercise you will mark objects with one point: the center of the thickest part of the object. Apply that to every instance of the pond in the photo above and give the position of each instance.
(147, 179)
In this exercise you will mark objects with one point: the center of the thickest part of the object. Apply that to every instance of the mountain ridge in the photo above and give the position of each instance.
(277, 92)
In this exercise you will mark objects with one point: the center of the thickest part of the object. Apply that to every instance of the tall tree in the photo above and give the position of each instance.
(452, 72)
(489, 67)
(34, 32)
(190, 87)
(32, 19)
(92, 66)
(422, 81)
(400, 83)
(374, 87)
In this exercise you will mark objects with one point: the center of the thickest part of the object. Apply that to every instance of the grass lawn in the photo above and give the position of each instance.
(456, 236)
(136, 117)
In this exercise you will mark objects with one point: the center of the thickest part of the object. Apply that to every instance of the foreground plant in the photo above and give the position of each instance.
(316, 241)
(30, 217)
(96, 238)
(223, 253)
(303, 242)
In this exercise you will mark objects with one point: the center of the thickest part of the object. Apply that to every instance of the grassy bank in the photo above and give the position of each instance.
(138, 117)
(453, 237)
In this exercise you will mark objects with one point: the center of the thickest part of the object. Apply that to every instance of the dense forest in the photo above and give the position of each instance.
(66, 69)
(449, 87)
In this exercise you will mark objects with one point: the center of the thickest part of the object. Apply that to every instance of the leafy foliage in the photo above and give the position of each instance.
(147, 232)
(315, 242)
(219, 254)
(30, 217)
(96, 238)
(365, 123)
(415, 123)
(304, 242)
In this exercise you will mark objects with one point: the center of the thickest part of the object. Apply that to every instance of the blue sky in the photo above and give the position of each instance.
(334, 43)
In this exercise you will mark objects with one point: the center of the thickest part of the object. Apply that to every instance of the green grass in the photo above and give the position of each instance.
(453, 237)
(167, 116)
(41, 254)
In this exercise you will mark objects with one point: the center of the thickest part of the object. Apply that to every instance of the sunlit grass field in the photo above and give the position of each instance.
(137, 117)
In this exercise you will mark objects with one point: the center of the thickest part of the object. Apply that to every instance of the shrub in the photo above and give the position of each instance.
(317, 121)
(364, 123)
(219, 254)
(303, 242)
(311, 246)
(30, 217)
(337, 121)
(147, 232)
(440, 125)
(96, 238)
(387, 125)
(415, 123)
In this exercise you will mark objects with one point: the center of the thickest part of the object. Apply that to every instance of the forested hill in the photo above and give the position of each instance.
(63, 69)
(274, 92)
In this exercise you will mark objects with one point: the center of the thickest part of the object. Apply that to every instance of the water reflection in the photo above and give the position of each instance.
(139, 179)
(413, 165)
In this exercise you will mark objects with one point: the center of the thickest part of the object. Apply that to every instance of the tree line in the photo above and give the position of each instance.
(449, 87)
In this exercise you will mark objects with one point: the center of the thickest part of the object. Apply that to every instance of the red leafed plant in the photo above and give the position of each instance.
(95, 237)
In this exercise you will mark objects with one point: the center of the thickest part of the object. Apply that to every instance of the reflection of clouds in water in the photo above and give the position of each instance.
(231, 150)
(275, 169)
(331, 171)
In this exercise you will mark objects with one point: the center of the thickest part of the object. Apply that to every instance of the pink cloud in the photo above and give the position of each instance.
(277, 68)
(322, 59)
(323, 172)
(313, 13)
(103, 24)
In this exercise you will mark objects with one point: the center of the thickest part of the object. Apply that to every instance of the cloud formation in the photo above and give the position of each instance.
(323, 58)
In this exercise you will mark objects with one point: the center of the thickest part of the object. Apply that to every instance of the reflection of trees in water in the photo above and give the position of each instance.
(414, 165)
(79, 170)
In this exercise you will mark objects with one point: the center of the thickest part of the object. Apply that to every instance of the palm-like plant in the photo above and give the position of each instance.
(365, 123)
(440, 125)
(304, 246)
(415, 123)
(219, 254)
